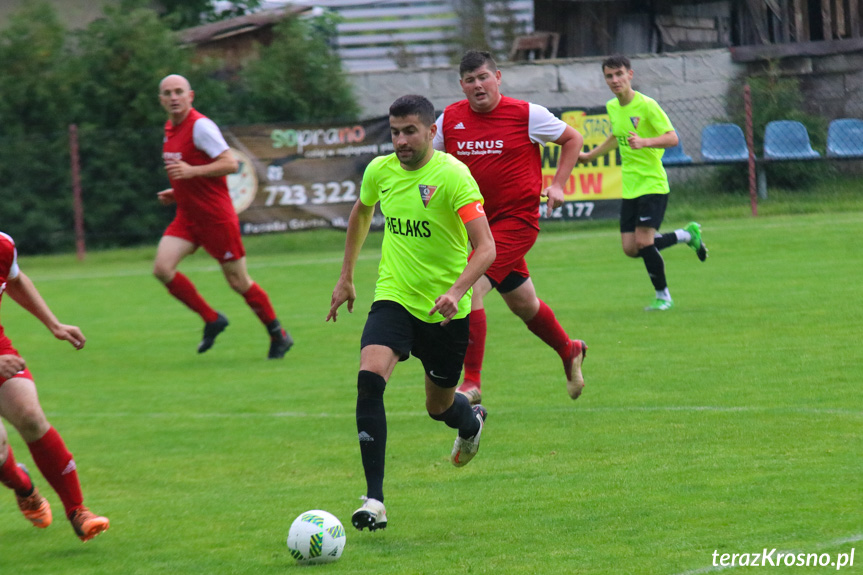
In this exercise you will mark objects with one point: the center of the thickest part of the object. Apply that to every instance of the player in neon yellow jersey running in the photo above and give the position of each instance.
(434, 214)
(641, 131)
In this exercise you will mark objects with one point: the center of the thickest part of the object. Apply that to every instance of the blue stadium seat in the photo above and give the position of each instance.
(723, 143)
(676, 156)
(787, 140)
(845, 138)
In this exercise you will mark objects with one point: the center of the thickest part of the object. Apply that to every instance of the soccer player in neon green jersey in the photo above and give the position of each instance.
(434, 214)
(641, 130)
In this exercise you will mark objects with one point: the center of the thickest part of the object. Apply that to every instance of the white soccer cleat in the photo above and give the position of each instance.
(372, 514)
(572, 368)
(463, 450)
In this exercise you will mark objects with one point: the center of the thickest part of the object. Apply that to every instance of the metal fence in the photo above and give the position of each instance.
(830, 116)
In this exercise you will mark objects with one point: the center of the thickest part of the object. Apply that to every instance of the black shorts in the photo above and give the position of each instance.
(644, 211)
(440, 348)
(510, 283)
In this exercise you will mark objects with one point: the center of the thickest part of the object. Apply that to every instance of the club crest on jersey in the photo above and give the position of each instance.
(426, 193)
(635, 120)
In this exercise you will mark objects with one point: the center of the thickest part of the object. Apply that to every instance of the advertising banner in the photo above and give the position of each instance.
(593, 191)
(303, 176)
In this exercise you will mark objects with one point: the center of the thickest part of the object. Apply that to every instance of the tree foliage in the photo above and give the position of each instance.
(37, 97)
(105, 80)
(34, 76)
(298, 77)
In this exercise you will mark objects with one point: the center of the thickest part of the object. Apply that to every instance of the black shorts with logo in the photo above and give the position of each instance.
(440, 348)
(644, 211)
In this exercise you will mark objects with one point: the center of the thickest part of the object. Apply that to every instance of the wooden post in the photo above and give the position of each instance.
(826, 23)
(854, 18)
(801, 21)
(753, 186)
(786, 21)
(839, 18)
(80, 247)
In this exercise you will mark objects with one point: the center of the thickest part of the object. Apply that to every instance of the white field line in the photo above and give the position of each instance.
(816, 411)
(818, 547)
(557, 237)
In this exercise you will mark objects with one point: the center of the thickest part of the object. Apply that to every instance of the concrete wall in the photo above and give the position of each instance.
(560, 83)
(692, 87)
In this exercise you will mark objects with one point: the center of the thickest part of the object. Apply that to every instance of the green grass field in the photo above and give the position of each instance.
(731, 424)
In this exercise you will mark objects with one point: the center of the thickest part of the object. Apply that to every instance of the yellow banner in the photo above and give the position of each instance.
(601, 180)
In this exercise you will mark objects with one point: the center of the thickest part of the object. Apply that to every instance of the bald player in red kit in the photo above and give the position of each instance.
(197, 160)
(499, 138)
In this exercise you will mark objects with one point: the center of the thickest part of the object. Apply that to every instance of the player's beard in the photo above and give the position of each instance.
(410, 157)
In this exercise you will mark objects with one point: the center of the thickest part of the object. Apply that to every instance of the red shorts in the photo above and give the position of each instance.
(221, 240)
(512, 240)
(25, 373)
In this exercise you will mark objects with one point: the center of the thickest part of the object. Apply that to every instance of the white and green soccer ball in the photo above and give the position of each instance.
(316, 537)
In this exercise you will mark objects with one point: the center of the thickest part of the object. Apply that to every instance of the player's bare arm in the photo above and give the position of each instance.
(571, 143)
(222, 165)
(609, 144)
(358, 229)
(24, 292)
(10, 365)
(484, 253)
(166, 197)
(666, 140)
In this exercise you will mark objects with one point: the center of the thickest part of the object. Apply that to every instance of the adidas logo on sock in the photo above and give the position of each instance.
(70, 467)
(363, 436)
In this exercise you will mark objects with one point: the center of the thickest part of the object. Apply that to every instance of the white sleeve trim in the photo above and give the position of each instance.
(438, 143)
(543, 126)
(208, 138)
(14, 269)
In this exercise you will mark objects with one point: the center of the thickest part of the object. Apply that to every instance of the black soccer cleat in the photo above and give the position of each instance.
(211, 330)
(280, 341)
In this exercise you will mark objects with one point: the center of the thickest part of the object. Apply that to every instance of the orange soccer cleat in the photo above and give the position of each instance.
(87, 524)
(35, 508)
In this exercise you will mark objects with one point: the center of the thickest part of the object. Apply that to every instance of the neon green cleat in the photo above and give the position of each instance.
(660, 305)
(695, 241)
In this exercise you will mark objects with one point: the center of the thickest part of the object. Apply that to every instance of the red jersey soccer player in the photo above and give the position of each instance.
(19, 404)
(197, 159)
(498, 138)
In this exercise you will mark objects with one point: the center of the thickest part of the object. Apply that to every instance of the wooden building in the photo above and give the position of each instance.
(237, 40)
(599, 27)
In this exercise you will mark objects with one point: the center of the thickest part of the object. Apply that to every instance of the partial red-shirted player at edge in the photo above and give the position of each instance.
(19, 405)
(499, 138)
(197, 160)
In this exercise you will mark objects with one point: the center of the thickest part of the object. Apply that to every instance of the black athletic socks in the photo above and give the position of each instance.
(662, 241)
(372, 430)
(655, 266)
(460, 416)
